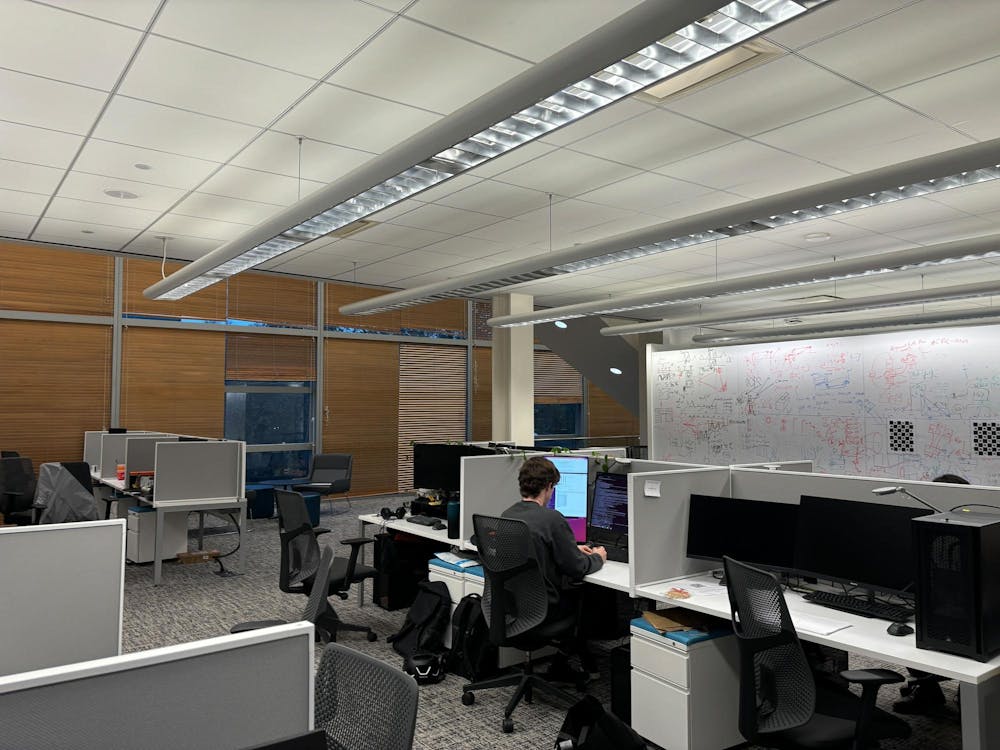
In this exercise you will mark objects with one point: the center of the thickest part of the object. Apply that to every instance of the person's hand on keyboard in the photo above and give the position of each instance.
(588, 550)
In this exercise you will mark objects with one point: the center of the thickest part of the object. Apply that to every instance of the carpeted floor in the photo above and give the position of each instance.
(193, 602)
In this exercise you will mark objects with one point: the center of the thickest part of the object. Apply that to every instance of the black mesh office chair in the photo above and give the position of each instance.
(516, 606)
(781, 705)
(363, 703)
(297, 515)
(329, 474)
(17, 490)
(300, 561)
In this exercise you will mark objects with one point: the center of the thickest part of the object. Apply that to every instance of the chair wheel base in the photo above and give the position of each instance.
(468, 699)
(508, 725)
(372, 637)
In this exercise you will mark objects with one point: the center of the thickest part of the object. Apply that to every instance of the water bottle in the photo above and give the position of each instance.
(454, 509)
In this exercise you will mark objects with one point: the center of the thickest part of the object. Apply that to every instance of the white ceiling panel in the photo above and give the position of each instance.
(427, 74)
(306, 38)
(154, 126)
(39, 102)
(952, 229)
(653, 139)
(982, 198)
(100, 213)
(567, 173)
(569, 215)
(646, 192)
(497, 198)
(76, 233)
(769, 96)
(30, 178)
(134, 13)
(888, 218)
(37, 145)
(520, 155)
(620, 111)
(318, 265)
(466, 247)
(92, 187)
(510, 232)
(16, 202)
(445, 219)
(198, 80)
(16, 225)
(192, 226)
(119, 160)
(219, 207)
(868, 134)
(795, 235)
(178, 247)
(832, 18)
(400, 236)
(347, 118)
(64, 46)
(446, 188)
(263, 187)
(279, 153)
(928, 38)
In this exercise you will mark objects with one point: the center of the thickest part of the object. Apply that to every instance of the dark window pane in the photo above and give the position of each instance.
(558, 419)
(262, 467)
(262, 417)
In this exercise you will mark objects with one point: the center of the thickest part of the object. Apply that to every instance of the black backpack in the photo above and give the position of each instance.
(473, 654)
(589, 727)
(426, 623)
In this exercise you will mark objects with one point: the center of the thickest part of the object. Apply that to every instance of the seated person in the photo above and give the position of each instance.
(562, 560)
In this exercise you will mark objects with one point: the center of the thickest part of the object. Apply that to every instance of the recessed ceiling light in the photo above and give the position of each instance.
(86, 231)
(140, 165)
(615, 371)
(124, 195)
(559, 324)
(816, 237)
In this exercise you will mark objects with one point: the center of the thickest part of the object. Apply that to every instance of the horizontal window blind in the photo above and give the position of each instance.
(343, 294)
(556, 382)
(43, 279)
(259, 356)
(431, 401)
(276, 300)
(446, 315)
(207, 304)
(482, 393)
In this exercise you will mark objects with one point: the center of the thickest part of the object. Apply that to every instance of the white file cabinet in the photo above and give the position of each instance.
(685, 697)
(140, 537)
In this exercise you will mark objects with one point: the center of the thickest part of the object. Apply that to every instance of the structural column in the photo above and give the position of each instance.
(514, 373)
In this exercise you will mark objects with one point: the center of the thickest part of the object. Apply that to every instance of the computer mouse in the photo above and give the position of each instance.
(899, 628)
(438, 526)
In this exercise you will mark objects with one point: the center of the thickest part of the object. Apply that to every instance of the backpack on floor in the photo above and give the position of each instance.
(426, 623)
(589, 727)
(473, 654)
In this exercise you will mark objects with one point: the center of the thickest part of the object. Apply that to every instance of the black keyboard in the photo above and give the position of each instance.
(424, 520)
(863, 607)
(617, 554)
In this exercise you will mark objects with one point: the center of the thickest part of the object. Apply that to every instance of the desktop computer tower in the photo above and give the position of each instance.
(958, 590)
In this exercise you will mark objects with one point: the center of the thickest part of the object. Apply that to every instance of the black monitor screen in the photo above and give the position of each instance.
(438, 466)
(751, 531)
(869, 544)
(609, 511)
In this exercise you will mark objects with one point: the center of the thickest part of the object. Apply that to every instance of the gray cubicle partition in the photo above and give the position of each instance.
(60, 594)
(234, 691)
(657, 521)
(113, 450)
(140, 452)
(488, 487)
(199, 470)
(92, 447)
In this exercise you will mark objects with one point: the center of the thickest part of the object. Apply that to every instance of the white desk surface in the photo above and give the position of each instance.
(612, 575)
(112, 482)
(398, 524)
(866, 635)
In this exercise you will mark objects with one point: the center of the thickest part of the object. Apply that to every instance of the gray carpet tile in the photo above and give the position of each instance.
(193, 602)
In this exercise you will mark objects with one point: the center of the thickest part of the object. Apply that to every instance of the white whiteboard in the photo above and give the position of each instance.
(910, 405)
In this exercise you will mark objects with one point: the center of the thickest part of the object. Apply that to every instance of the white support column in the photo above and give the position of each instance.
(514, 373)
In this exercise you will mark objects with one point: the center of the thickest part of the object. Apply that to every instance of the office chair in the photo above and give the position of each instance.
(81, 472)
(781, 705)
(363, 703)
(17, 490)
(515, 603)
(300, 561)
(297, 515)
(9, 454)
(329, 474)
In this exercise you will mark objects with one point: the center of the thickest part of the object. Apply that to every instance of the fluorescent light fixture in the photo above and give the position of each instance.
(615, 371)
(559, 324)
(967, 165)
(644, 46)
(791, 312)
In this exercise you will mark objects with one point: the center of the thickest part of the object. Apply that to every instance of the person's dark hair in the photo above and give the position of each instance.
(536, 474)
(950, 479)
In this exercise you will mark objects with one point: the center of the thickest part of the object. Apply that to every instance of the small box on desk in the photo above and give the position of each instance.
(426, 507)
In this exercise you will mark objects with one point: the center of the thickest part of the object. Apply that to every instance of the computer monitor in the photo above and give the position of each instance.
(866, 544)
(752, 531)
(608, 522)
(570, 497)
(438, 466)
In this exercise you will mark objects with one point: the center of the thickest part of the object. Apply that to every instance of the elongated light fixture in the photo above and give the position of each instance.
(874, 302)
(639, 49)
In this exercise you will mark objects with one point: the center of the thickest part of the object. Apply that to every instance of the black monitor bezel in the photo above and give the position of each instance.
(599, 533)
(756, 564)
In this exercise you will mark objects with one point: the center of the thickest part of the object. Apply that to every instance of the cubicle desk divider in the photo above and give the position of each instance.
(140, 452)
(61, 595)
(488, 487)
(195, 695)
(658, 525)
(92, 448)
(778, 465)
(113, 451)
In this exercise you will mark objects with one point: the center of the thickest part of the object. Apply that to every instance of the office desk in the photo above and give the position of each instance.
(980, 682)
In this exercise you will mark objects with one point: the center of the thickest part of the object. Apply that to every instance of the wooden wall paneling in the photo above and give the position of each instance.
(343, 294)
(52, 280)
(173, 380)
(605, 416)
(55, 385)
(556, 382)
(208, 304)
(360, 414)
(263, 357)
(268, 298)
(482, 393)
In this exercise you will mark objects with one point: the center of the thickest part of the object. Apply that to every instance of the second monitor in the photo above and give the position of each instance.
(752, 531)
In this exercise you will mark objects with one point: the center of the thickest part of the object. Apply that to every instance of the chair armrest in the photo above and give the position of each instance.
(352, 562)
(357, 540)
(876, 677)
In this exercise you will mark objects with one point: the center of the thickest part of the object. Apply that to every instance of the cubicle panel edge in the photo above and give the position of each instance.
(92, 447)
(140, 451)
(777, 465)
(488, 486)
(658, 524)
(198, 470)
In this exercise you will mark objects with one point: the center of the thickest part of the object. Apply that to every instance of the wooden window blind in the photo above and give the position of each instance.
(556, 382)
(56, 384)
(266, 298)
(343, 294)
(208, 304)
(360, 402)
(43, 279)
(431, 400)
(448, 315)
(482, 393)
(605, 416)
(173, 381)
(263, 357)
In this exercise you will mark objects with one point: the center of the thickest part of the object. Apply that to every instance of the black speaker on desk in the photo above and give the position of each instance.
(958, 589)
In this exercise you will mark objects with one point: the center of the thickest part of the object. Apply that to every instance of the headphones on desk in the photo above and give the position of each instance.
(388, 513)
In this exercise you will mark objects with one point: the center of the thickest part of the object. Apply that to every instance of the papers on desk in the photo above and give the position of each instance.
(691, 588)
(453, 559)
(816, 624)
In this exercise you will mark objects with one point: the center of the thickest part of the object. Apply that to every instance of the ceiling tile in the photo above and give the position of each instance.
(73, 232)
(982, 198)
(91, 187)
(222, 208)
(198, 80)
(399, 236)
(307, 38)
(768, 96)
(510, 232)
(647, 192)
(29, 178)
(868, 134)
(447, 187)
(178, 247)
(37, 145)
(496, 198)
(154, 126)
(624, 109)
(100, 213)
(192, 226)
(263, 187)
(465, 247)
(279, 153)
(445, 219)
(653, 139)
(570, 215)
(348, 118)
(134, 13)
(318, 265)
(795, 235)
(119, 160)
(16, 225)
(30, 100)
(567, 173)
(905, 214)
(16, 202)
(952, 229)
(427, 75)
(830, 19)
(65, 46)
(925, 42)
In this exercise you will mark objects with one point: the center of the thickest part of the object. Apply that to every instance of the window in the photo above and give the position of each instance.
(275, 418)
